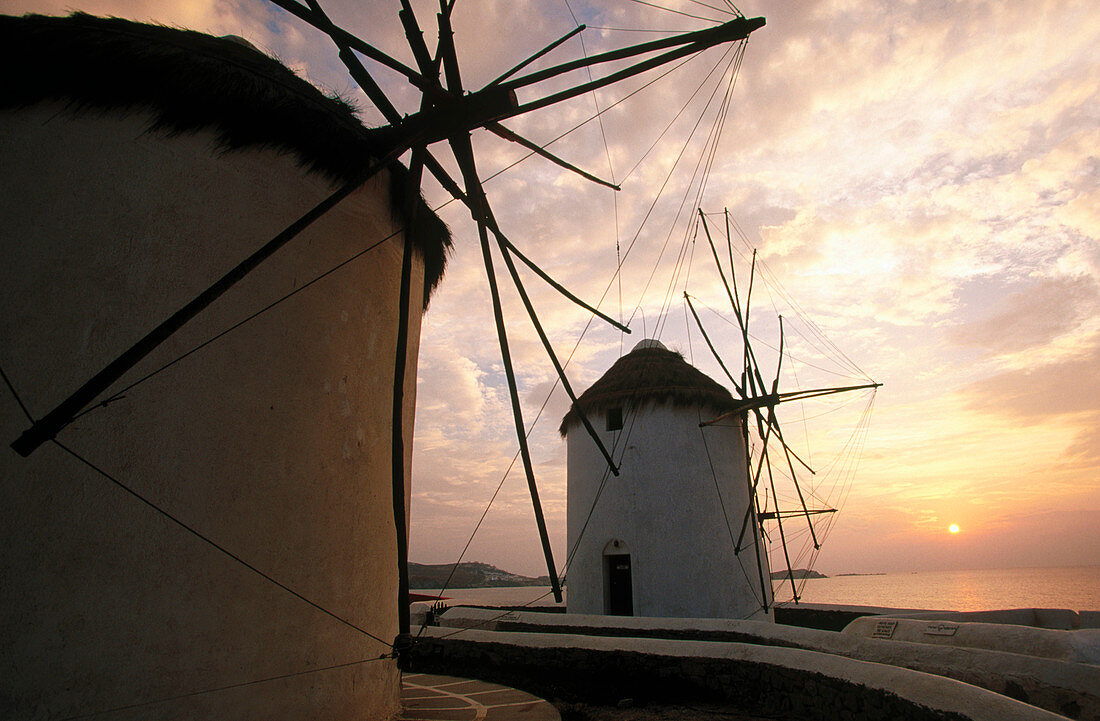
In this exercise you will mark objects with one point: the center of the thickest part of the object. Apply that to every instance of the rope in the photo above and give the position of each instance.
(660, 192)
(192, 694)
(15, 395)
(580, 125)
(209, 541)
(500, 485)
(766, 344)
(623, 439)
(119, 394)
(827, 347)
(610, 168)
(729, 528)
(711, 7)
(676, 117)
(677, 12)
(634, 30)
(703, 167)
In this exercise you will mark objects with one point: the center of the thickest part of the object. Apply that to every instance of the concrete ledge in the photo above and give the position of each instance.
(1051, 618)
(1072, 689)
(1076, 646)
(830, 616)
(784, 682)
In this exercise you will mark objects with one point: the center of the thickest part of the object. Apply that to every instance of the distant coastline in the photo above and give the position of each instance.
(475, 574)
(798, 573)
(471, 574)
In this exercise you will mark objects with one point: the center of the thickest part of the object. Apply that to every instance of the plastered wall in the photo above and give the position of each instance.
(274, 441)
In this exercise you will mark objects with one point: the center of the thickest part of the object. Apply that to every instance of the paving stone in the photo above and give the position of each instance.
(498, 696)
(431, 697)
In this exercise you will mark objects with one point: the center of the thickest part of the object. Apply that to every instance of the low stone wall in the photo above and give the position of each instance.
(1064, 687)
(1081, 646)
(1052, 618)
(780, 682)
(831, 616)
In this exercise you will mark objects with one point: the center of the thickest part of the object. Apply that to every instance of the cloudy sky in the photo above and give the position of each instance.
(920, 180)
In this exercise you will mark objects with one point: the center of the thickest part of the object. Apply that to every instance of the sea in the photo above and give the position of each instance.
(1076, 588)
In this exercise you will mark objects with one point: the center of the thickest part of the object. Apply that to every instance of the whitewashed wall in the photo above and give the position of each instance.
(274, 441)
(668, 510)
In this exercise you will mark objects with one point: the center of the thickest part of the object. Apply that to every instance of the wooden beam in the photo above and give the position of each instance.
(51, 424)
(737, 29)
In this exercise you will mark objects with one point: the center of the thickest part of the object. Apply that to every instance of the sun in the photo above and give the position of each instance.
(953, 528)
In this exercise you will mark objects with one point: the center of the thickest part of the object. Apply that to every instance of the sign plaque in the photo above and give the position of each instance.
(884, 629)
(941, 629)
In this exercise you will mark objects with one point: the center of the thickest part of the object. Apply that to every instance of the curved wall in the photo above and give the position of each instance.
(678, 522)
(274, 441)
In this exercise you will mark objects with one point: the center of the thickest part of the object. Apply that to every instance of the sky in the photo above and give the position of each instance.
(920, 181)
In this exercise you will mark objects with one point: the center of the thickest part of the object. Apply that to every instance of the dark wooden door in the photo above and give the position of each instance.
(620, 589)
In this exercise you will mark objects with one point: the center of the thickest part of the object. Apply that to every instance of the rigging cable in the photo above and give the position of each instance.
(624, 438)
(634, 240)
(716, 133)
(579, 125)
(776, 286)
(610, 169)
(678, 12)
(703, 166)
(15, 395)
(773, 282)
(211, 542)
(120, 393)
(634, 30)
(507, 472)
(729, 528)
(711, 7)
(766, 344)
(203, 692)
(660, 192)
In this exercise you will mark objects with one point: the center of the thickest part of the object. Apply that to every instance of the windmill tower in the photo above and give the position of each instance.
(182, 529)
(660, 539)
(135, 318)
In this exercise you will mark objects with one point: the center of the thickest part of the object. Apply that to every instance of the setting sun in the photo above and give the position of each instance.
(953, 528)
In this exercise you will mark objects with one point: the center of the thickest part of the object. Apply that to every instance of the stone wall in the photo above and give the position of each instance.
(1062, 686)
(785, 683)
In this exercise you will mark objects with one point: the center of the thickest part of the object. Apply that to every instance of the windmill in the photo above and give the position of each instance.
(448, 114)
(757, 409)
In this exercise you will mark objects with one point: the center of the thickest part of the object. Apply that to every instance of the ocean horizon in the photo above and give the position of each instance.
(1072, 587)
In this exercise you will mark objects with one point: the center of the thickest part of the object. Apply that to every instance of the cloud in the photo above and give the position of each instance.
(1044, 389)
(1033, 316)
(921, 183)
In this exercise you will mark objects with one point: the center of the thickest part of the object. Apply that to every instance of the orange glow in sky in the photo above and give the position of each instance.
(920, 179)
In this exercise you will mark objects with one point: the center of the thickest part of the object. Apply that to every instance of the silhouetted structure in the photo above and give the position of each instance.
(659, 539)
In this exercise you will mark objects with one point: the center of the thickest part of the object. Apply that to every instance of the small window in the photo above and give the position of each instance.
(614, 419)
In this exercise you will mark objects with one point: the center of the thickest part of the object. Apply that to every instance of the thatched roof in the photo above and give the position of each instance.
(650, 374)
(191, 81)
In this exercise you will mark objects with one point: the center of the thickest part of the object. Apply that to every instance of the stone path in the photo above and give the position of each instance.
(427, 697)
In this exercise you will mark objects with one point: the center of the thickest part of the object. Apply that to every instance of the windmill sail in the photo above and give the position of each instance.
(758, 409)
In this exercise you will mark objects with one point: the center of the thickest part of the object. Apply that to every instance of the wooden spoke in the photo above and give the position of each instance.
(465, 156)
(515, 69)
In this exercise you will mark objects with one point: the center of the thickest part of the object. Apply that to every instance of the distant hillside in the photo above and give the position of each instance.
(799, 573)
(468, 575)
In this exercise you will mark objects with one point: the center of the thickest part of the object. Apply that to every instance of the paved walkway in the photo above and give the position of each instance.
(427, 697)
